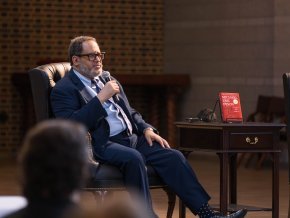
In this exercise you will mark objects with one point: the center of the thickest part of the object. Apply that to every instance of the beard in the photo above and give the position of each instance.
(89, 73)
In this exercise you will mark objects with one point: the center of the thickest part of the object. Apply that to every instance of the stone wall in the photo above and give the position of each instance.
(235, 46)
(39, 31)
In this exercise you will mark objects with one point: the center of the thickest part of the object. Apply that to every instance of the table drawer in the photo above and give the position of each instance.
(200, 138)
(251, 140)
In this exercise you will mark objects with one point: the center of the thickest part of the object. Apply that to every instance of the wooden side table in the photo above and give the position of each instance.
(227, 140)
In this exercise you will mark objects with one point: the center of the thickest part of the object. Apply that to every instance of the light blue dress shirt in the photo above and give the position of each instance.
(116, 123)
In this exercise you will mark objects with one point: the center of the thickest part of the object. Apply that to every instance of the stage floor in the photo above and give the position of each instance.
(254, 186)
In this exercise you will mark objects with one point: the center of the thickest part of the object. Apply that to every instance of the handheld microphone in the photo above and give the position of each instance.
(107, 77)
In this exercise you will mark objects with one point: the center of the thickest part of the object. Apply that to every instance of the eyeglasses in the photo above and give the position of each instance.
(93, 56)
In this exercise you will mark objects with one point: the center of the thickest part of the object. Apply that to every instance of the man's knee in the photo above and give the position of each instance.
(135, 157)
(176, 155)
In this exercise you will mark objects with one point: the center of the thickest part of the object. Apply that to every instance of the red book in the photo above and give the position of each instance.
(230, 106)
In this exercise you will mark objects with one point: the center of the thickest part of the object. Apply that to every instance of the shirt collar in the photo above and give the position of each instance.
(84, 79)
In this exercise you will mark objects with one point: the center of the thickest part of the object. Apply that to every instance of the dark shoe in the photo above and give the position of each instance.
(239, 214)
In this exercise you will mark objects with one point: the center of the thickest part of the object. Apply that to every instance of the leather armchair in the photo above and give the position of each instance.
(103, 177)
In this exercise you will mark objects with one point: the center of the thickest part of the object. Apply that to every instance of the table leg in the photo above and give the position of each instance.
(275, 185)
(233, 178)
(224, 171)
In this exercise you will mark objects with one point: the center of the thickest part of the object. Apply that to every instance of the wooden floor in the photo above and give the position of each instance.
(254, 186)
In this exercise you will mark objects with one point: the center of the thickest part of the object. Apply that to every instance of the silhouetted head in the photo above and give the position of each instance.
(53, 160)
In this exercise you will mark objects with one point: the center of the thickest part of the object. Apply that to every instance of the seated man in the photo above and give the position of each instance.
(119, 134)
(53, 163)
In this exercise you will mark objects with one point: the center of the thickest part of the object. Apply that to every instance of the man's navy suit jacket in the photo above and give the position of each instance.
(71, 100)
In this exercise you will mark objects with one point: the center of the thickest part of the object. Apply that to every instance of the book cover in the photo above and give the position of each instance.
(230, 105)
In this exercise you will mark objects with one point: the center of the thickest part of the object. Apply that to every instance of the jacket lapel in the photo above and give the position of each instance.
(87, 96)
(85, 93)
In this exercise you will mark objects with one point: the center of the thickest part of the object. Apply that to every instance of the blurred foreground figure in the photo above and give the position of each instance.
(119, 205)
(53, 164)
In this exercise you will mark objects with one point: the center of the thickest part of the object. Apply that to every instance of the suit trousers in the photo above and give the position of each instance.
(132, 153)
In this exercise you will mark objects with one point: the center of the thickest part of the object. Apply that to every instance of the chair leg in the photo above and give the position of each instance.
(250, 158)
(261, 159)
(171, 201)
(240, 159)
(182, 209)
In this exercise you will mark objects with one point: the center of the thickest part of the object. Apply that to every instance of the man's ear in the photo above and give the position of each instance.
(75, 60)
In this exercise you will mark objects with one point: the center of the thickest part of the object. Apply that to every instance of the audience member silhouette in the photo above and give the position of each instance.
(53, 167)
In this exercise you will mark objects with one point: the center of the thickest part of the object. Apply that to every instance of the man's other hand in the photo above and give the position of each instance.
(151, 136)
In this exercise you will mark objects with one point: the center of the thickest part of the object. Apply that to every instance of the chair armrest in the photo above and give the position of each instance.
(91, 158)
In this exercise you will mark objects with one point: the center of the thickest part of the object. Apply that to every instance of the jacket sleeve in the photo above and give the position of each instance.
(68, 103)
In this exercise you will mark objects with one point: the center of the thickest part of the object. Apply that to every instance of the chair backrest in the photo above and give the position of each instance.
(262, 108)
(42, 80)
(277, 109)
(263, 104)
(269, 109)
(286, 85)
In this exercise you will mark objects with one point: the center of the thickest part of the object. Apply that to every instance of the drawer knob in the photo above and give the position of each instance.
(248, 140)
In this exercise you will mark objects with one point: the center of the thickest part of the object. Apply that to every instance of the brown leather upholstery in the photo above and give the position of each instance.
(103, 177)
(286, 85)
(43, 79)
